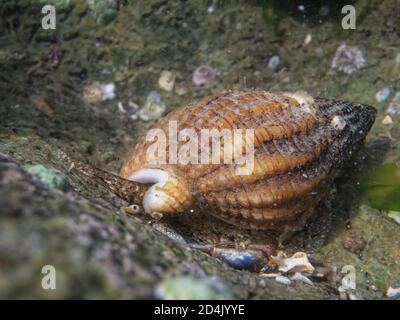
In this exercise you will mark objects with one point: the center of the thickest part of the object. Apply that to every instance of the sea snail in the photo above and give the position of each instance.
(300, 143)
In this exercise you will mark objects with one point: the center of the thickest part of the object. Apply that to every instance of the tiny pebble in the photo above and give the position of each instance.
(394, 106)
(382, 95)
(307, 39)
(166, 81)
(393, 292)
(398, 59)
(274, 62)
(387, 120)
(108, 90)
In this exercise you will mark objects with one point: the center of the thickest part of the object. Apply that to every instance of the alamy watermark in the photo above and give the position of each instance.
(206, 146)
(349, 20)
(49, 20)
(49, 280)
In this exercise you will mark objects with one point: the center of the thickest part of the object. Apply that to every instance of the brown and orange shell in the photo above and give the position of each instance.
(300, 145)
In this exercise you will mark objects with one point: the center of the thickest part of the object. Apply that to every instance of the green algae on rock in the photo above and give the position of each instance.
(381, 187)
(193, 288)
(49, 176)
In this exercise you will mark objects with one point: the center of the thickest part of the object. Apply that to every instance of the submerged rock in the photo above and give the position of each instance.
(48, 176)
(153, 108)
(382, 95)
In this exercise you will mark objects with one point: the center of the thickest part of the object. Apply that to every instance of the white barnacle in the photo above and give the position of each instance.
(305, 101)
(338, 123)
(348, 59)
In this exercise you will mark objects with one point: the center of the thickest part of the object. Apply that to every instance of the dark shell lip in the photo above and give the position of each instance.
(359, 116)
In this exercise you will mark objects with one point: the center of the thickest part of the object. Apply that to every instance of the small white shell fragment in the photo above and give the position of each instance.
(394, 106)
(121, 107)
(274, 62)
(277, 277)
(283, 280)
(108, 90)
(387, 120)
(92, 93)
(307, 39)
(395, 215)
(301, 278)
(153, 108)
(338, 123)
(398, 59)
(304, 100)
(382, 94)
(393, 292)
(349, 280)
(166, 81)
(297, 263)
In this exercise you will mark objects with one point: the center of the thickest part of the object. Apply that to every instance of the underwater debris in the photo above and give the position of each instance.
(299, 277)
(324, 273)
(193, 288)
(166, 81)
(348, 59)
(153, 108)
(240, 258)
(348, 283)
(287, 280)
(95, 92)
(203, 75)
(274, 62)
(307, 39)
(108, 91)
(131, 111)
(394, 106)
(277, 277)
(387, 120)
(40, 103)
(393, 293)
(398, 59)
(395, 215)
(92, 93)
(382, 95)
(296, 263)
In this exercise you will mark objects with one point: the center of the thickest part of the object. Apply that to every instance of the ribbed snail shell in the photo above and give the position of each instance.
(300, 143)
